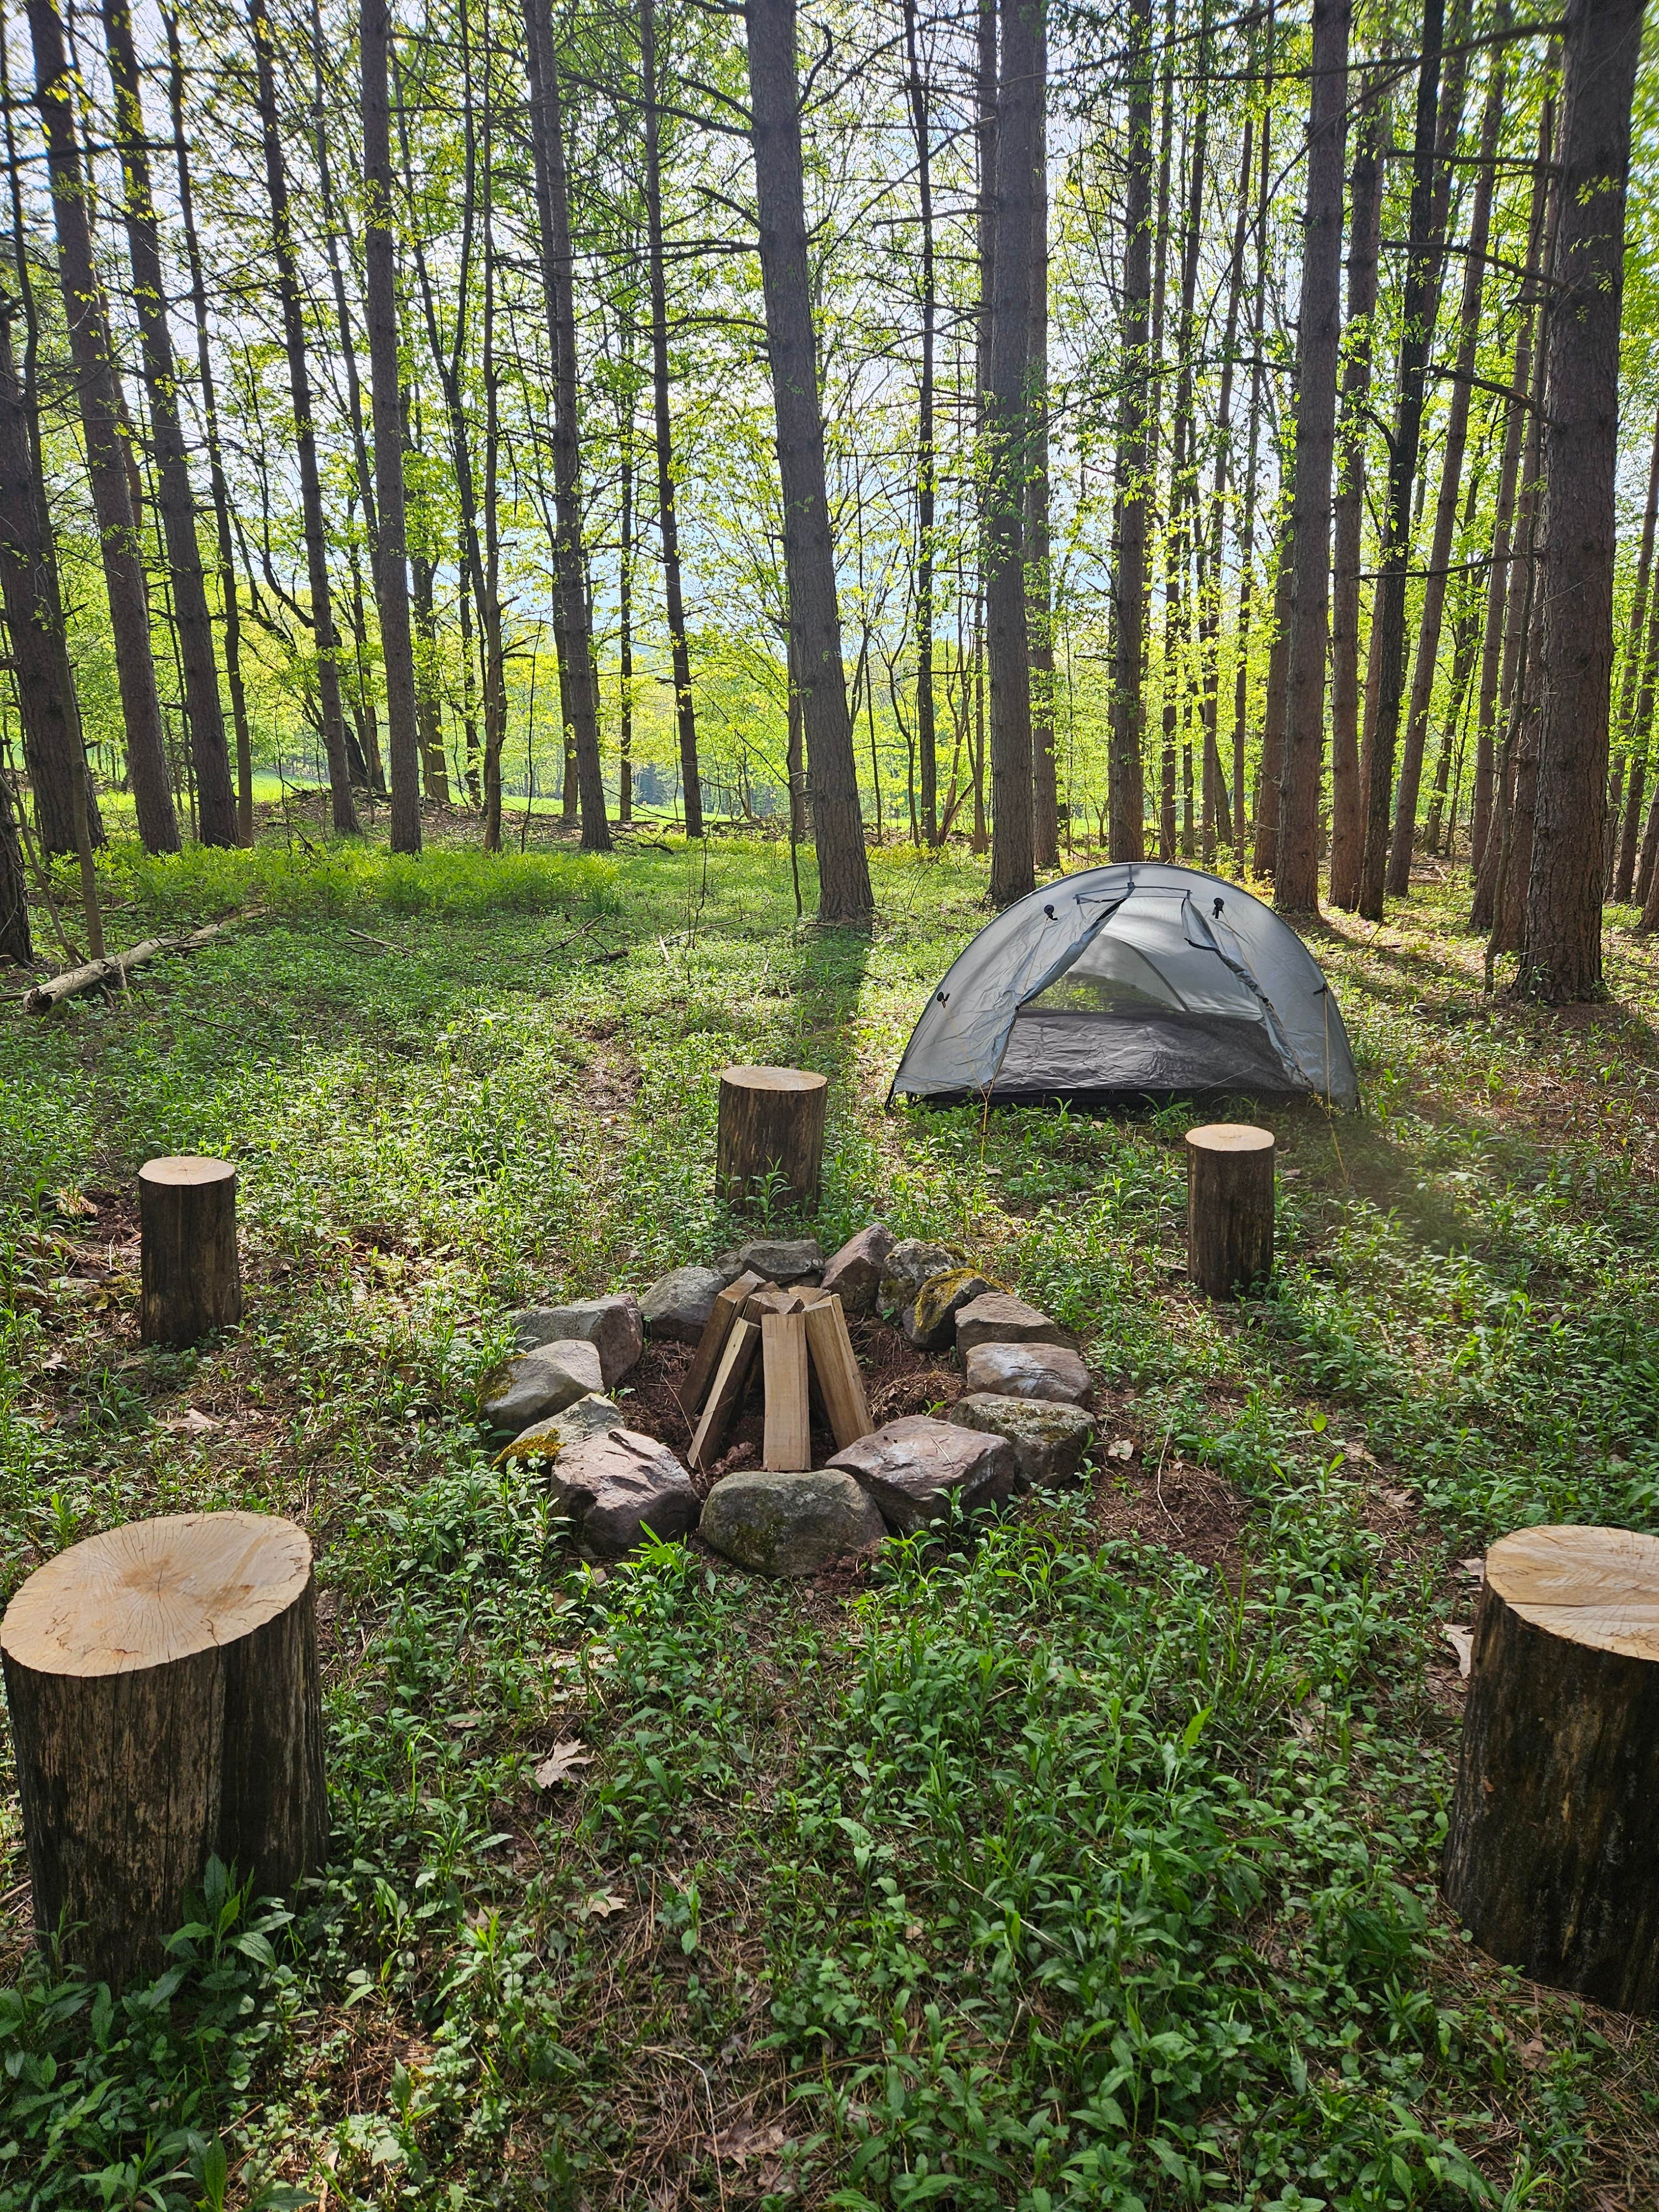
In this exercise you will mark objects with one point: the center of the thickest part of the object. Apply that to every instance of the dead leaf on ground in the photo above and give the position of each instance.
(1120, 1447)
(751, 2139)
(561, 1763)
(72, 1203)
(602, 1904)
(1474, 1569)
(1462, 1640)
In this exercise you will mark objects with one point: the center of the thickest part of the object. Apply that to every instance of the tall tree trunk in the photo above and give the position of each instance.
(104, 427)
(1126, 772)
(224, 546)
(1182, 534)
(625, 623)
(1247, 521)
(387, 407)
(1039, 583)
(15, 941)
(215, 804)
(1217, 811)
(685, 715)
(1625, 880)
(1502, 580)
(298, 373)
(1319, 345)
(844, 894)
(1416, 335)
(573, 619)
(1266, 853)
(1398, 880)
(54, 748)
(926, 452)
(1010, 426)
(34, 630)
(1347, 801)
(428, 702)
(1636, 630)
(1561, 936)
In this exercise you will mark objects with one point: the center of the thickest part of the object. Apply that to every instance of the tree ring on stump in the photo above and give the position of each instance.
(156, 1591)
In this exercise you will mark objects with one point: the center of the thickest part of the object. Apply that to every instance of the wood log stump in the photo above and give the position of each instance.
(1230, 1207)
(166, 1705)
(192, 1280)
(1553, 1854)
(770, 1146)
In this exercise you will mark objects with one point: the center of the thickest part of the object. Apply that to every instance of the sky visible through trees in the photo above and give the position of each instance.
(1121, 430)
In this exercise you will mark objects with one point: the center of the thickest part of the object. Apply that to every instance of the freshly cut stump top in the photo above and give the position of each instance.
(1598, 1587)
(191, 1169)
(1230, 1136)
(155, 1591)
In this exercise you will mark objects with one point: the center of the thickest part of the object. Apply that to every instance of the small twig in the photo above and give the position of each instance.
(384, 944)
(658, 2051)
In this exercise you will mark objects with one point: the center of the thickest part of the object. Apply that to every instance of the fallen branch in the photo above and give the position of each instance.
(53, 993)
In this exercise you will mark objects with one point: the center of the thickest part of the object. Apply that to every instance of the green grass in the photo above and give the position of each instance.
(1086, 1861)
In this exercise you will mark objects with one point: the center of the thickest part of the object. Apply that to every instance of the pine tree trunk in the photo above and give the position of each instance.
(573, 618)
(231, 612)
(1126, 771)
(1217, 811)
(215, 804)
(386, 410)
(844, 893)
(1039, 584)
(685, 715)
(1561, 939)
(344, 806)
(927, 450)
(1347, 800)
(1490, 798)
(1011, 427)
(1319, 345)
(103, 425)
(1416, 336)
(15, 941)
(1398, 879)
(34, 624)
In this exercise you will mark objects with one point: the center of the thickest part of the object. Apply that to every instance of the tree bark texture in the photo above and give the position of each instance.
(231, 611)
(1127, 793)
(105, 434)
(685, 715)
(344, 807)
(1419, 294)
(1347, 801)
(385, 401)
(926, 448)
(1039, 582)
(573, 618)
(770, 1149)
(15, 941)
(165, 1707)
(1319, 340)
(1561, 936)
(1554, 1830)
(844, 893)
(1011, 427)
(1398, 878)
(192, 1278)
(216, 800)
(1230, 1207)
(53, 747)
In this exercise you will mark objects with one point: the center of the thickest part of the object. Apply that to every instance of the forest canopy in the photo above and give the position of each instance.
(1060, 427)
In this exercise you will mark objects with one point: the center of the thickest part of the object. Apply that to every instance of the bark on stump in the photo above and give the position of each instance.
(1229, 1206)
(770, 1146)
(165, 1706)
(1554, 1836)
(193, 1280)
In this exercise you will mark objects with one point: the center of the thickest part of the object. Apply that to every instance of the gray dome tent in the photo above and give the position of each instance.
(1140, 981)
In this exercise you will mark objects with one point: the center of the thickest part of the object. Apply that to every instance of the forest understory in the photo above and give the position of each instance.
(1087, 1859)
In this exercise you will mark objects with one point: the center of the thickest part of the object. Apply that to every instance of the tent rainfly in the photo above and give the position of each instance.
(1131, 983)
